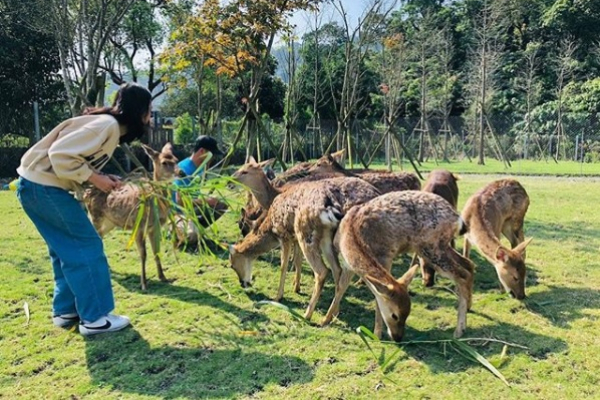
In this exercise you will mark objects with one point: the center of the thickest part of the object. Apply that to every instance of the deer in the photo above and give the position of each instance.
(120, 207)
(307, 214)
(263, 192)
(445, 184)
(371, 235)
(384, 181)
(499, 208)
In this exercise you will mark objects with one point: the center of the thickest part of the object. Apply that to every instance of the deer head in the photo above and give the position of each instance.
(242, 266)
(328, 164)
(393, 301)
(164, 163)
(510, 266)
(251, 173)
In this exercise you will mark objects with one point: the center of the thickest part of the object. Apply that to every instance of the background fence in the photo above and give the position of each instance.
(578, 139)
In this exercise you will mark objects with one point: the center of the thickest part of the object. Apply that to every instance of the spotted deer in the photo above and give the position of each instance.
(500, 208)
(264, 190)
(445, 184)
(384, 181)
(372, 235)
(307, 214)
(264, 193)
(120, 207)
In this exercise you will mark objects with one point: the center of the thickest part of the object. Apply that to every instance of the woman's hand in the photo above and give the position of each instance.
(106, 183)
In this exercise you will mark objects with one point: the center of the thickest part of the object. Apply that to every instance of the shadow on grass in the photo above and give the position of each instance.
(131, 282)
(126, 362)
(442, 360)
(561, 305)
(27, 265)
(577, 231)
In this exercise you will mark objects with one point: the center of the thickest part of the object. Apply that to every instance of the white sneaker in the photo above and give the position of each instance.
(107, 323)
(65, 320)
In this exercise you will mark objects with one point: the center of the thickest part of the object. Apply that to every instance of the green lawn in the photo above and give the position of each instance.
(518, 167)
(201, 337)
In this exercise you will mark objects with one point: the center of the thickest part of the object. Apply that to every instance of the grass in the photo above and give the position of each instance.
(519, 167)
(201, 336)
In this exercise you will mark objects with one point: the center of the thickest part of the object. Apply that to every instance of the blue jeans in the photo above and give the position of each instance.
(81, 272)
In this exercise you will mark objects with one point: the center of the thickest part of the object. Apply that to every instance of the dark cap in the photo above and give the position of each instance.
(207, 143)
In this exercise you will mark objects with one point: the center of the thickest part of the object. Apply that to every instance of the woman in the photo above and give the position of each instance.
(72, 154)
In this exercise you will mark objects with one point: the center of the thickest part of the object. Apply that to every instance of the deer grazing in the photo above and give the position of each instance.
(371, 235)
(443, 183)
(499, 207)
(120, 207)
(306, 214)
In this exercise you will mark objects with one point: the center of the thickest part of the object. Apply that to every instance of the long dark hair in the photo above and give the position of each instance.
(131, 105)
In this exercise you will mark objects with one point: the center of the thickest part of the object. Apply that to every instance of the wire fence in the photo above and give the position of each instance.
(456, 139)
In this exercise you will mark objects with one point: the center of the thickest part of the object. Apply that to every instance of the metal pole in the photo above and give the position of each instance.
(36, 121)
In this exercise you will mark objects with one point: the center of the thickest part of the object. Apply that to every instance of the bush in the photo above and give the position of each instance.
(184, 129)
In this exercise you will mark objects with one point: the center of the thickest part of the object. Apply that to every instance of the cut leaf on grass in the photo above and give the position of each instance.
(469, 352)
(26, 308)
(293, 313)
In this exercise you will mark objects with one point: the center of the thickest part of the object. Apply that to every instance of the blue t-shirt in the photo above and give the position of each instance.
(190, 170)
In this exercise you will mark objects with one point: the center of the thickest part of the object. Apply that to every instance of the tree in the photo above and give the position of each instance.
(29, 64)
(81, 30)
(485, 58)
(238, 36)
(358, 45)
(140, 32)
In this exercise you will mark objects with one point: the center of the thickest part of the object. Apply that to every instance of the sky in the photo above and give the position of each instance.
(354, 9)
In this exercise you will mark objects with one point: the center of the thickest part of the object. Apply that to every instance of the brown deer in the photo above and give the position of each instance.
(499, 207)
(120, 207)
(443, 183)
(384, 181)
(307, 214)
(371, 235)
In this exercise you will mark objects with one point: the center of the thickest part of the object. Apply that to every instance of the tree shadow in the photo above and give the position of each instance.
(561, 305)
(556, 232)
(131, 282)
(126, 362)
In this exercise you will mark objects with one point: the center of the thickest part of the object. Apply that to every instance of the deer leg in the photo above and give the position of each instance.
(313, 255)
(155, 245)
(285, 258)
(297, 261)
(378, 330)
(342, 277)
(340, 290)
(452, 265)
(140, 241)
(466, 248)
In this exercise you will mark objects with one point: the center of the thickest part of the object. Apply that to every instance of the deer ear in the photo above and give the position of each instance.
(251, 160)
(153, 154)
(408, 276)
(502, 254)
(267, 163)
(521, 247)
(339, 155)
(380, 287)
(167, 148)
(456, 177)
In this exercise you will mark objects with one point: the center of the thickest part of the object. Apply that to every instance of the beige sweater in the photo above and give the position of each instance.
(68, 155)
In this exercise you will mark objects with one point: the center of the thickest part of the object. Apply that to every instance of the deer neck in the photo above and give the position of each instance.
(257, 243)
(265, 193)
(482, 234)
